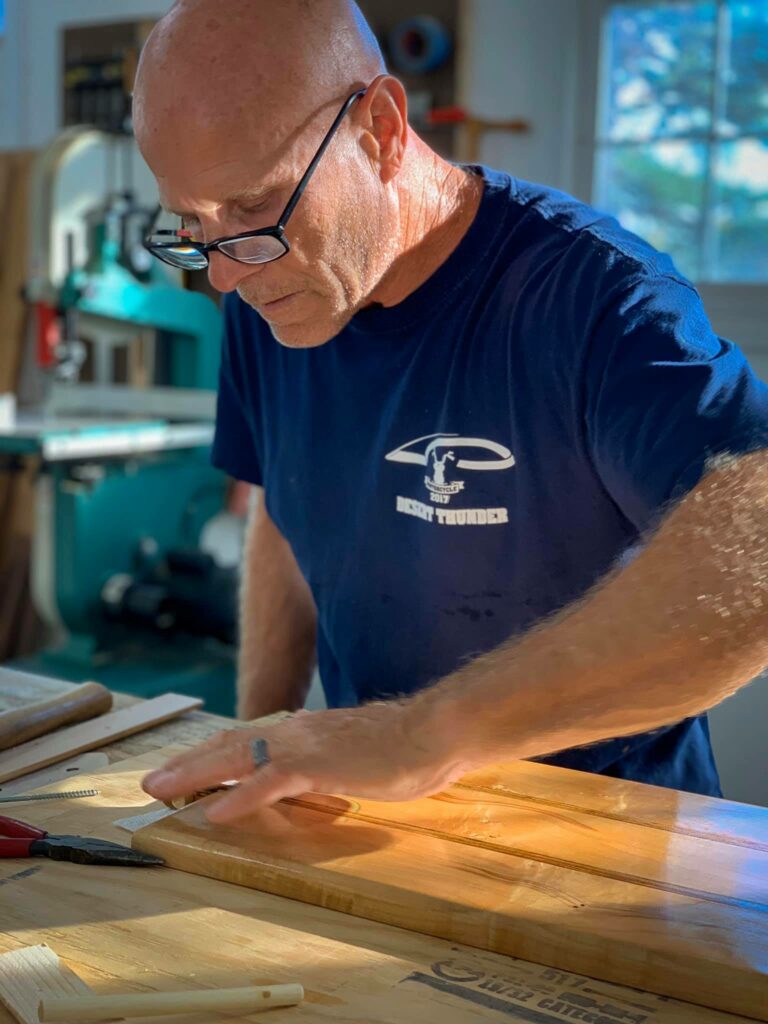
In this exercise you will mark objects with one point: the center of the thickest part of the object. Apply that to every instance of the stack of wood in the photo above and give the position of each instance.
(20, 628)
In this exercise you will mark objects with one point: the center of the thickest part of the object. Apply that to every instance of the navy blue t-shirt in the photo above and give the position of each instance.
(451, 470)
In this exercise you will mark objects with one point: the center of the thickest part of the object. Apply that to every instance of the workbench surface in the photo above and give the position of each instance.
(124, 929)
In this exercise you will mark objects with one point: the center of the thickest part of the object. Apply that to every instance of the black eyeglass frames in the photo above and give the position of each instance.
(262, 246)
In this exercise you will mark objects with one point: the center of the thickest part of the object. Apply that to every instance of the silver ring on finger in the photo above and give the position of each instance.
(260, 753)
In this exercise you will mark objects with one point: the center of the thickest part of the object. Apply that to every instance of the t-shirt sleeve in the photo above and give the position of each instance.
(234, 440)
(663, 394)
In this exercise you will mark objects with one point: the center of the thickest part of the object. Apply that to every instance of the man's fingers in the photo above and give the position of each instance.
(263, 788)
(204, 770)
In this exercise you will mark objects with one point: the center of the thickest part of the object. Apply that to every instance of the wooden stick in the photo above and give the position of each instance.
(146, 1004)
(87, 701)
(96, 733)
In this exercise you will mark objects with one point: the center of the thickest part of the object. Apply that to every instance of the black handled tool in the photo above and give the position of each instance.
(18, 839)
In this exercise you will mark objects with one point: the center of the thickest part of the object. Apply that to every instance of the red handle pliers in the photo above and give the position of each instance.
(18, 839)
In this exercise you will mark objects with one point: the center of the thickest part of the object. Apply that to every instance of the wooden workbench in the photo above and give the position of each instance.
(127, 929)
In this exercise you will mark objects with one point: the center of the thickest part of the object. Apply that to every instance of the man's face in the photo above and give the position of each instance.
(339, 233)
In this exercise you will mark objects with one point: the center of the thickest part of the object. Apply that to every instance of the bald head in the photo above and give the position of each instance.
(258, 68)
(231, 102)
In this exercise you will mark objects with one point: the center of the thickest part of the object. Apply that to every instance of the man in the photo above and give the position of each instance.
(586, 576)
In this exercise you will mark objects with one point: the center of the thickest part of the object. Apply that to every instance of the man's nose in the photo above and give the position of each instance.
(226, 274)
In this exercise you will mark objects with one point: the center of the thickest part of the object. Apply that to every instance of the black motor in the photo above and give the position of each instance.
(185, 591)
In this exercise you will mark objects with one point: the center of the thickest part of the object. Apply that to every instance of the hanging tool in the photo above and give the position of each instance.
(19, 839)
(67, 794)
(475, 128)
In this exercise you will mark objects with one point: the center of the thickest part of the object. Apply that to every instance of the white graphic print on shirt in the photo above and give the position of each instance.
(445, 456)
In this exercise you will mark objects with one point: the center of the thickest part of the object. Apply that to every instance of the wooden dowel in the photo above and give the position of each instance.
(146, 1004)
(27, 723)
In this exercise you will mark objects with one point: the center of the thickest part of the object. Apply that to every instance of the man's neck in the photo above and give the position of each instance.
(438, 203)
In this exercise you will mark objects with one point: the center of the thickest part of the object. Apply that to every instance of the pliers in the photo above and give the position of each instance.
(18, 839)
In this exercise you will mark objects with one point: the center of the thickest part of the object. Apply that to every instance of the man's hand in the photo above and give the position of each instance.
(380, 751)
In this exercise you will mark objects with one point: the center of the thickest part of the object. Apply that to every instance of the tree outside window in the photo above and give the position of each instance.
(682, 148)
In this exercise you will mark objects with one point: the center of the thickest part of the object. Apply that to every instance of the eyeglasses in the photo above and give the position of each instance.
(262, 246)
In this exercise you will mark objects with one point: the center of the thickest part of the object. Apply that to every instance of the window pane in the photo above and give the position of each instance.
(657, 191)
(741, 211)
(747, 70)
(659, 71)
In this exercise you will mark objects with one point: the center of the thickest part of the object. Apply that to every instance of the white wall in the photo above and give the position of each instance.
(738, 728)
(30, 103)
(519, 59)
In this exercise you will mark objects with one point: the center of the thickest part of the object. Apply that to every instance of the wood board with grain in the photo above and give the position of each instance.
(158, 929)
(619, 881)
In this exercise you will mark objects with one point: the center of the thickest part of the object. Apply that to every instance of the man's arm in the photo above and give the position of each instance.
(668, 636)
(277, 622)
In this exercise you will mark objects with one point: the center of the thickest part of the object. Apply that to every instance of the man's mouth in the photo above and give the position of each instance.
(269, 308)
(278, 309)
(275, 303)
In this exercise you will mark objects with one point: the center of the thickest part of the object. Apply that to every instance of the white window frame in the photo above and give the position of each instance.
(738, 311)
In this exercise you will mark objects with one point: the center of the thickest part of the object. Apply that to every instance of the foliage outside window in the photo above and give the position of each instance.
(682, 148)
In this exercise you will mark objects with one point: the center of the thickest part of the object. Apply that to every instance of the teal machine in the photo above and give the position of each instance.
(125, 372)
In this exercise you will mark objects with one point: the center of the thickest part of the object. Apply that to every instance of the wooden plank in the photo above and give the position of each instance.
(15, 176)
(726, 873)
(69, 769)
(164, 931)
(78, 738)
(571, 891)
(623, 800)
(18, 621)
(28, 974)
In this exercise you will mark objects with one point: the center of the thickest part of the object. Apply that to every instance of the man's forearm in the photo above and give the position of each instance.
(668, 636)
(277, 624)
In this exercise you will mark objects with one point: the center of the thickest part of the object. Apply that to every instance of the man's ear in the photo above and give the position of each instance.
(384, 114)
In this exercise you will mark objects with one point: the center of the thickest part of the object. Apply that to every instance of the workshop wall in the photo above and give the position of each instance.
(519, 58)
(31, 67)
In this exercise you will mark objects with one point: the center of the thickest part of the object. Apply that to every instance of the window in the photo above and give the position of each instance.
(682, 132)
